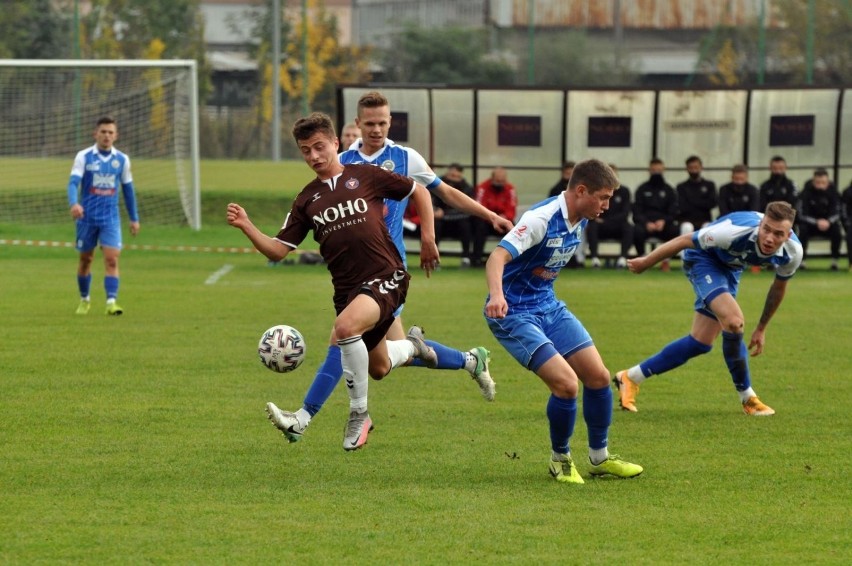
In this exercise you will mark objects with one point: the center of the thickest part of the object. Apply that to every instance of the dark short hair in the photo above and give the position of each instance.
(316, 122)
(595, 175)
(739, 168)
(105, 120)
(372, 99)
(692, 159)
(569, 164)
(656, 161)
(777, 158)
(457, 166)
(820, 172)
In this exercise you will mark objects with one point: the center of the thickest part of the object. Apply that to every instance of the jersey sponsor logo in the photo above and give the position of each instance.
(103, 181)
(544, 273)
(102, 192)
(352, 184)
(520, 232)
(340, 211)
(559, 258)
(388, 165)
(554, 243)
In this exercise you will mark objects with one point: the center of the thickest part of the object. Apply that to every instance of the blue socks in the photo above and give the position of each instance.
(675, 354)
(448, 358)
(327, 378)
(111, 286)
(84, 283)
(597, 411)
(562, 414)
(736, 356)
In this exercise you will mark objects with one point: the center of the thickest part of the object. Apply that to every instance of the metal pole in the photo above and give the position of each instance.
(305, 57)
(531, 42)
(276, 80)
(78, 77)
(809, 45)
(761, 44)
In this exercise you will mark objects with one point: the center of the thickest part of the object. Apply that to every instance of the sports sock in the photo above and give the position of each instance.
(597, 412)
(111, 286)
(84, 283)
(746, 394)
(448, 358)
(562, 414)
(327, 377)
(673, 355)
(470, 362)
(355, 359)
(399, 352)
(736, 356)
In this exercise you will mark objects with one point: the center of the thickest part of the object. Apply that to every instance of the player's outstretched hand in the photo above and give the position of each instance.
(758, 339)
(236, 215)
(502, 225)
(638, 264)
(429, 257)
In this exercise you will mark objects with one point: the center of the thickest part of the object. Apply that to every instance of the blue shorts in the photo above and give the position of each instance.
(524, 333)
(709, 280)
(88, 236)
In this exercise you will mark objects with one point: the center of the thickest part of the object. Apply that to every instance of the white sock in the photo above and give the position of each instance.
(635, 374)
(110, 301)
(303, 417)
(745, 395)
(356, 367)
(469, 362)
(557, 457)
(598, 455)
(399, 352)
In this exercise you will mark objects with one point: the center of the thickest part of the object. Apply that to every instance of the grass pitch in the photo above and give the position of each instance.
(142, 438)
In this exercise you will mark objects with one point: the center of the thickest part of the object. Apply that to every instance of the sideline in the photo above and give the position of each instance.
(144, 247)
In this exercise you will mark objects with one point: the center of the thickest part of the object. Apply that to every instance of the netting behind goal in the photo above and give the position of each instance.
(48, 112)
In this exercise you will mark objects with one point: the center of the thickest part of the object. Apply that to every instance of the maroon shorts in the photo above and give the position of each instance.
(389, 291)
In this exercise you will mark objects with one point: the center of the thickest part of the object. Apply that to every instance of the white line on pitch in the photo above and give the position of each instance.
(218, 274)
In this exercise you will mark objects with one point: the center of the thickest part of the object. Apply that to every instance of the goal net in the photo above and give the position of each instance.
(48, 112)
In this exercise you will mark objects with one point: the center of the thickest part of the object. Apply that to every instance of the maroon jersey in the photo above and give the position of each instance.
(346, 214)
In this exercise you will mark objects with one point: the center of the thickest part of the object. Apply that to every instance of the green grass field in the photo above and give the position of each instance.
(143, 439)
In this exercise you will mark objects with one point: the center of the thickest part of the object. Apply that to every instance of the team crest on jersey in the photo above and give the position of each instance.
(554, 243)
(352, 183)
(388, 165)
(115, 163)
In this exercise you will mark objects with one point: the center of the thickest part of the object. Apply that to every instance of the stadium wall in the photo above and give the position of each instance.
(531, 132)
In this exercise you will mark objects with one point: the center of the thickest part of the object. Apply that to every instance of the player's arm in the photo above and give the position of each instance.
(429, 257)
(664, 251)
(460, 201)
(129, 196)
(270, 247)
(494, 267)
(773, 301)
(73, 185)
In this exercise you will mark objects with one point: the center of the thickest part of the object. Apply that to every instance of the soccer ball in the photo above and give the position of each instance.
(281, 348)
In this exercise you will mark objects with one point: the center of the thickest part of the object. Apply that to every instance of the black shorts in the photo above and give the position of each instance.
(389, 292)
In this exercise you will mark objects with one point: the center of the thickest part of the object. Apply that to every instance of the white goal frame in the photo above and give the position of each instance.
(194, 212)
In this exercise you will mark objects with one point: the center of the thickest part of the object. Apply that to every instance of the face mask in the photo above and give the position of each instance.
(776, 177)
(657, 178)
(497, 187)
(695, 176)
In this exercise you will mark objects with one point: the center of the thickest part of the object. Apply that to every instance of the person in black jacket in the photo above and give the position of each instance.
(613, 223)
(654, 208)
(562, 183)
(846, 217)
(819, 214)
(778, 186)
(696, 197)
(739, 194)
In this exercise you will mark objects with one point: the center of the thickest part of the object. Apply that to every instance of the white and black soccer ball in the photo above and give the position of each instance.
(281, 348)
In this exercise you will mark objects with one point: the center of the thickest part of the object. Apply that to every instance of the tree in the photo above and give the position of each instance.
(34, 30)
(450, 55)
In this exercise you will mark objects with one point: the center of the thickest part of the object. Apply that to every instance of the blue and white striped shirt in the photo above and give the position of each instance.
(100, 176)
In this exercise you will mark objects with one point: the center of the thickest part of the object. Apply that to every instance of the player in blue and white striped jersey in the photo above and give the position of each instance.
(713, 261)
(374, 147)
(539, 331)
(96, 176)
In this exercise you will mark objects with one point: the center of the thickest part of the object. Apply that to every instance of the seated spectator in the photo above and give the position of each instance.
(562, 184)
(819, 215)
(615, 224)
(846, 217)
(739, 194)
(654, 209)
(777, 186)
(498, 195)
(696, 197)
(450, 221)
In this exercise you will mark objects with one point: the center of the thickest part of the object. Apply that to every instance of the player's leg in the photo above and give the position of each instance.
(475, 361)
(86, 241)
(523, 338)
(735, 351)
(110, 238)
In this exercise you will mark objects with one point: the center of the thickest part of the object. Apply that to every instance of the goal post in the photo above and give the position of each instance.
(48, 112)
